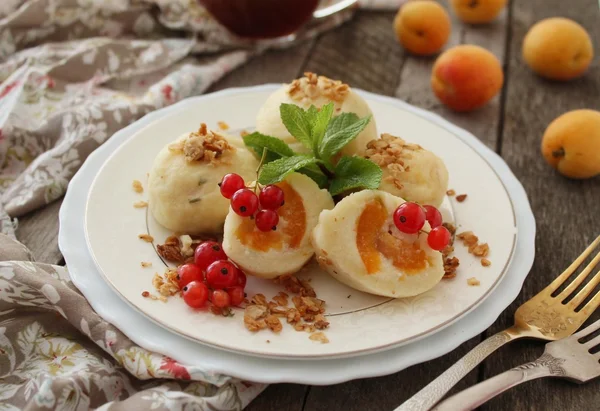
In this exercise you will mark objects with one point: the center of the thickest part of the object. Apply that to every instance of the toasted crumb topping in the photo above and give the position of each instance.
(223, 125)
(140, 204)
(473, 281)
(202, 145)
(460, 198)
(137, 186)
(311, 86)
(485, 262)
(146, 237)
(171, 250)
(471, 241)
(167, 284)
(319, 336)
(450, 192)
(389, 152)
(243, 133)
(145, 264)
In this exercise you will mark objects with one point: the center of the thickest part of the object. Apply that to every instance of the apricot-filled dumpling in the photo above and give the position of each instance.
(409, 170)
(285, 250)
(318, 91)
(183, 186)
(358, 244)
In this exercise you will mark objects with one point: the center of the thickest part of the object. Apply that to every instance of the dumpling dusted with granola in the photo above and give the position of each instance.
(183, 189)
(318, 91)
(409, 171)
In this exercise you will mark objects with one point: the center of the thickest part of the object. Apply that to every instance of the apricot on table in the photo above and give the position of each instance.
(478, 11)
(466, 77)
(422, 27)
(571, 144)
(558, 49)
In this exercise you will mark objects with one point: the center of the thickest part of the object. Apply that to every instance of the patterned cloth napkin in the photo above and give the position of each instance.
(72, 73)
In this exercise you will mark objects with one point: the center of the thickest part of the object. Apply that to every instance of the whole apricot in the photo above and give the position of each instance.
(422, 27)
(466, 77)
(478, 11)
(558, 49)
(571, 144)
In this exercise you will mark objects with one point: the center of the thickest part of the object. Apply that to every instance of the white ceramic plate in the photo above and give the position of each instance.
(153, 337)
(380, 322)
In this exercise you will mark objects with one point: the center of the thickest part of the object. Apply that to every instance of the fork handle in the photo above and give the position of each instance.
(478, 394)
(432, 393)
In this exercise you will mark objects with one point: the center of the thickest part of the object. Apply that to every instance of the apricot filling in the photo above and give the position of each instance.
(290, 231)
(373, 241)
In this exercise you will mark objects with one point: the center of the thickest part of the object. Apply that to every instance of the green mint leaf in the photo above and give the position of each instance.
(355, 173)
(311, 113)
(319, 122)
(277, 170)
(257, 142)
(314, 172)
(340, 131)
(297, 123)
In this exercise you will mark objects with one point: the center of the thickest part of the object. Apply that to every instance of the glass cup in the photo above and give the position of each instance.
(269, 19)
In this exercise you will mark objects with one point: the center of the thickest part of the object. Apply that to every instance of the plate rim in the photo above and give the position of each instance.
(413, 338)
(526, 235)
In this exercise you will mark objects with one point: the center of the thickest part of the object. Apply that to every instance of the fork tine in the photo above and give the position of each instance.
(579, 279)
(585, 291)
(588, 330)
(591, 306)
(593, 342)
(554, 285)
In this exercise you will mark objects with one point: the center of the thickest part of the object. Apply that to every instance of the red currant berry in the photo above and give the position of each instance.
(267, 220)
(187, 273)
(236, 295)
(438, 238)
(220, 298)
(222, 274)
(241, 278)
(230, 184)
(409, 218)
(244, 202)
(195, 294)
(433, 215)
(207, 253)
(271, 197)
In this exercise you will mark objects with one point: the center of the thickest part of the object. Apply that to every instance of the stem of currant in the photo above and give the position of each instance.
(260, 164)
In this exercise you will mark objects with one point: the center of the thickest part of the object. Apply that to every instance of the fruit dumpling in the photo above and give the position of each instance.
(318, 91)
(358, 244)
(183, 186)
(409, 171)
(287, 248)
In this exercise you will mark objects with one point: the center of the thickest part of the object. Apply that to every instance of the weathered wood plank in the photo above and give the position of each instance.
(38, 230)
(415, 78)
(564, 209)
(280, 397)
(362, 53)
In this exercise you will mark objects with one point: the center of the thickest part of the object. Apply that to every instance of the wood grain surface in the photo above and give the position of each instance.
(365, 54)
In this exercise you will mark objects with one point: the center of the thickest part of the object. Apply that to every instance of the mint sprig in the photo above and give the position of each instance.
(325, 136)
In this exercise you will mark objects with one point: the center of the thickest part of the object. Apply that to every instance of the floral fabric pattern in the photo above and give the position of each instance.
(59, 354)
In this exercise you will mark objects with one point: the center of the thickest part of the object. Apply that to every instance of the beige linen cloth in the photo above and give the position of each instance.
(72, 73)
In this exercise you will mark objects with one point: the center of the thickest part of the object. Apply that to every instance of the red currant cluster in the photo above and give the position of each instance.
(410, 219)
(211, 277)
(245, 202)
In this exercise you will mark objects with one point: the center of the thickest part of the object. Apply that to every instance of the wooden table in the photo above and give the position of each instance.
(365, 54)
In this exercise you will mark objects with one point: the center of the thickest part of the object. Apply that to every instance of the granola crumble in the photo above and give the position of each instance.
(473, 281)
(146, 237)
(472, 242)
(145, 264)
(137, 186)
(223, 125)
(319, 336)
(485, 262)
(140, 204)
(167, 284)
(202, 145)
(389, 152)
(460, 198)
(243, 133)
(312, 86)
(171, 250)
(450, 192)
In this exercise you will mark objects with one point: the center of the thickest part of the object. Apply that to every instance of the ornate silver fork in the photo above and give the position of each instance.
(567, 358)
(543, 317)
